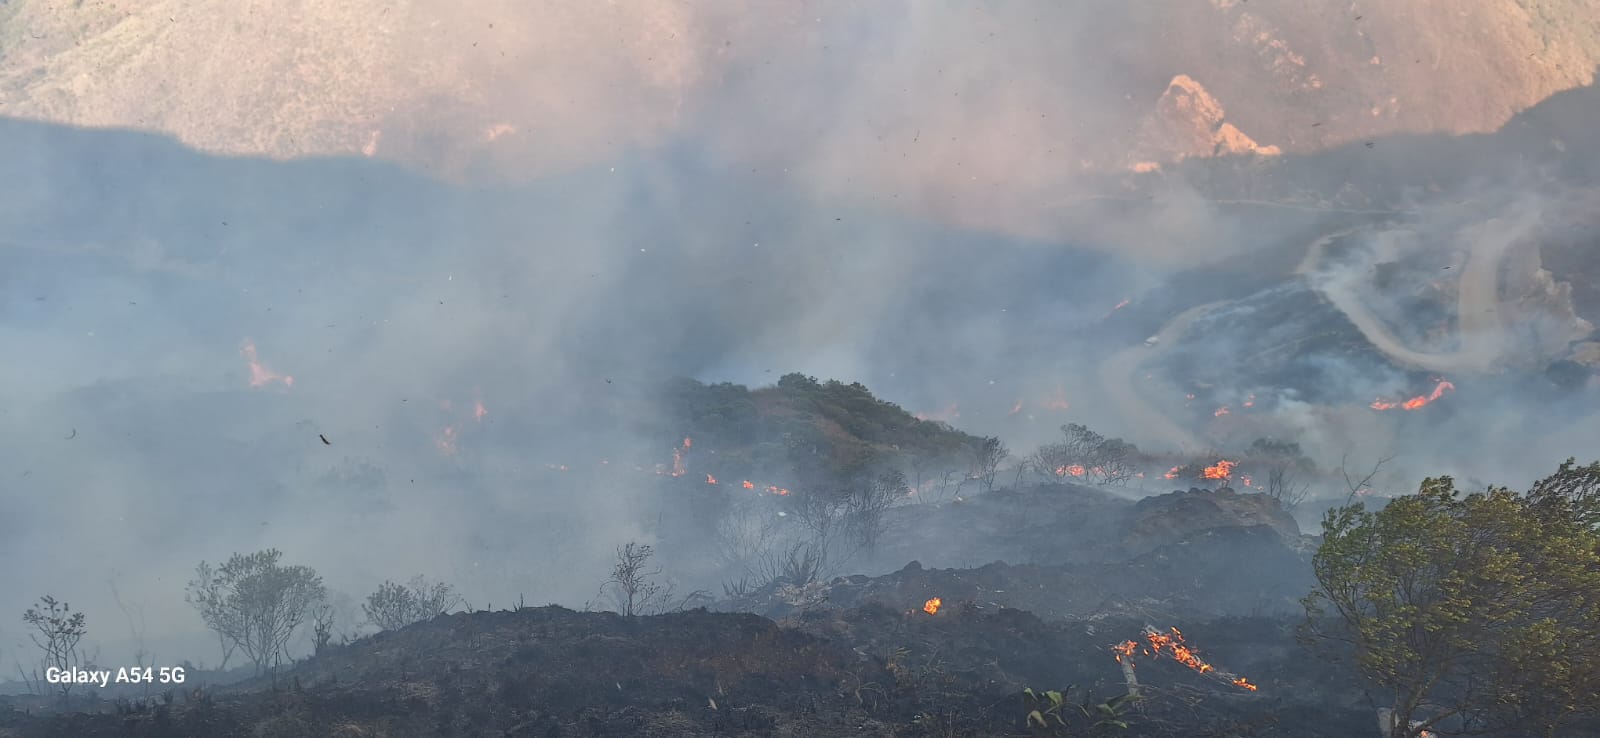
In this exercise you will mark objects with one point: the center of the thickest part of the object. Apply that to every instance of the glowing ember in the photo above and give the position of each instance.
(260, 375)
(478, 411)
(1250, 401)
(1016, 407)
(779, 491)
(710, 479)
(1072, 470)
(932, 606)
(749, 484)
(1173, 473)
(1223, 470)
(1417, 402)
(1221, 411)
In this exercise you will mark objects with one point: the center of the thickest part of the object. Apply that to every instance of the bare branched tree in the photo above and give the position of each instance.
(633, 584)
(57, 631)
(1364, 483)
(394, 606)
(1086, 455)
(255, 604)
(986, 461)
(1284, 464)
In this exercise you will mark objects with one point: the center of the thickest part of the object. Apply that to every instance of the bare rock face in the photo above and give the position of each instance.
(1189, 122)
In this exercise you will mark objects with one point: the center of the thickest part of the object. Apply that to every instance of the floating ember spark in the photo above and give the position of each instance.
(1172, 644)
(260, 375)
(1417, 402)
(932, 606)
(1221, 411)
(710, 479)
(1222, 470)
(447, 439)
(749, 484)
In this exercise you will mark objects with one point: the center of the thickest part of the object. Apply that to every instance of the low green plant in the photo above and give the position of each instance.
(1053, 713)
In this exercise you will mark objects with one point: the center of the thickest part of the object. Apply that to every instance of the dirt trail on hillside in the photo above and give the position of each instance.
(1123, 380)
(1479, 319)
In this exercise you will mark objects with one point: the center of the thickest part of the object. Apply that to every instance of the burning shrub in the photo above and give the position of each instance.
(394, 606)
(1086, 456)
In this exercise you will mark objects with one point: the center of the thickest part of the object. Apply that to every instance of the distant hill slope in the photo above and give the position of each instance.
(851, 98)
(802, 426)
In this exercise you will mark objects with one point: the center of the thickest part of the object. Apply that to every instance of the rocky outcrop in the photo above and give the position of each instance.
(1189, 122)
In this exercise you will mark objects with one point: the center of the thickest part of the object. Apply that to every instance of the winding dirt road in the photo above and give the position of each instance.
(1478, 305)
(1122, 379)
(1479, 320)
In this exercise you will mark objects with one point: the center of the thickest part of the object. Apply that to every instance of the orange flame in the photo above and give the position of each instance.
(1174, 646)
(1223, 470)
(260, 375)
(932, 606)
(1016, 407)
(478, 410)
(1058, 401)
(1173, 473)
(1250, 401)
(749, 484)
(1417, 402)
(1073, 470)
(710, 479)
(1221, 411)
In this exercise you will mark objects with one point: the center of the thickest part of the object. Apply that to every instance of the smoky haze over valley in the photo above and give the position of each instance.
(416, 319)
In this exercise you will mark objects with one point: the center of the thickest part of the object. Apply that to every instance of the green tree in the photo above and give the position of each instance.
(1475, 613)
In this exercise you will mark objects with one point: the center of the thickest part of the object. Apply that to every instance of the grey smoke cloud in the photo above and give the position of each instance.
(883, 196)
